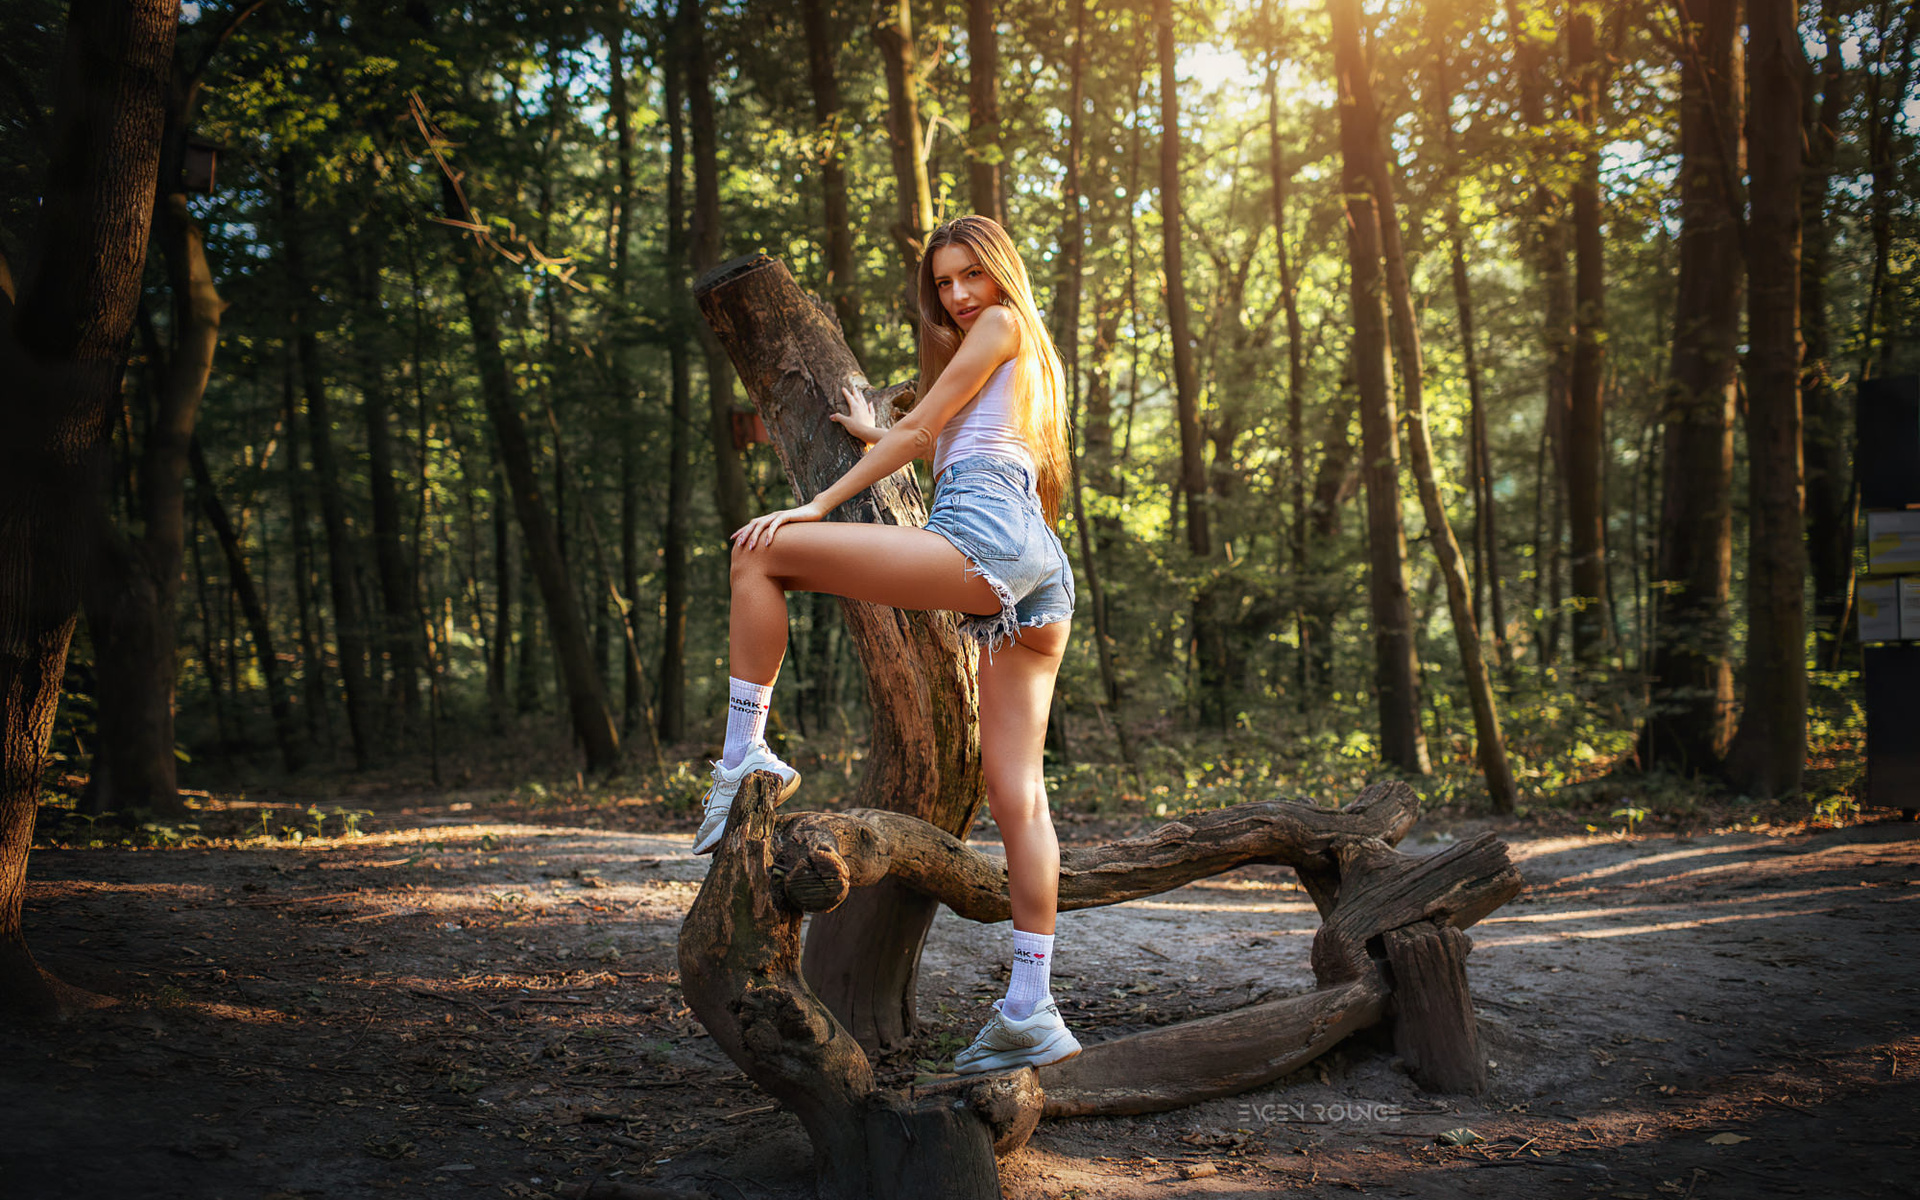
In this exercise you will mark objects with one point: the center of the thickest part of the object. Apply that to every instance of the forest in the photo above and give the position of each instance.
(1468, 411)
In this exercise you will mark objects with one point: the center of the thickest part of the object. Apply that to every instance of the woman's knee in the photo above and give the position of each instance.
(1017, 801)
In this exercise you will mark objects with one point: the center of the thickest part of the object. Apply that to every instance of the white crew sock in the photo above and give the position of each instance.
(747, 705)
(1032, 974)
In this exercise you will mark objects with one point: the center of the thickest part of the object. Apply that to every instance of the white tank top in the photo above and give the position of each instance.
(984, 425)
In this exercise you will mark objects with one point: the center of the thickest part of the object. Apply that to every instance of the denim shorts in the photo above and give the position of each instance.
(989, 508)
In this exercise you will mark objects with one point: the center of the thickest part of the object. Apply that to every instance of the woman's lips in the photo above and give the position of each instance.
(967, 312)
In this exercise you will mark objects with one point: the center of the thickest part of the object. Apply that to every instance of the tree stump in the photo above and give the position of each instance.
(1433, 1027)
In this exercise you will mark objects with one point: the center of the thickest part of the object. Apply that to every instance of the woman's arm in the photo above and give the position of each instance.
(858, 420)
(994, 339)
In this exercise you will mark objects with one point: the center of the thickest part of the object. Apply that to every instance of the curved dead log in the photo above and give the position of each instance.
(740, 970)
(821, 857)
(1383, 889)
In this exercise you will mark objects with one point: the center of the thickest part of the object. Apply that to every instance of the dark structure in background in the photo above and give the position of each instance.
(1888, 595)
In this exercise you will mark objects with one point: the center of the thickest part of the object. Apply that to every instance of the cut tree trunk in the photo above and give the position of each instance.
(925, 756)
(738, 959)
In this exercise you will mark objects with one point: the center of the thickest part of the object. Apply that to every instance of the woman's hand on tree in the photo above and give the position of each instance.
(760, 530)
(859, 417)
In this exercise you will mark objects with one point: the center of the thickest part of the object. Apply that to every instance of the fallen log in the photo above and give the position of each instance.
(1390, 948)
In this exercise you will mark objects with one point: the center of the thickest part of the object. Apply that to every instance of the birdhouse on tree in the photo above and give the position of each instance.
(197, 164)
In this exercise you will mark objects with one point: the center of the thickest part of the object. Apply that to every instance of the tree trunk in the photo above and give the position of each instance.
(706, 238)
(403, 620)
(306, 602)
(502, 643)
(1193, 476)
(924, 758)
(1396, 668)
(63, 343)
(1333, 486)
(1691, 679)
(1486, 541)
(984, 156)
(284, 730)
(671, 711)
(131, 608)
(894, 35)
(349, 632)
(586, 694)
(1770, 750)
(625, 394)
(1296, 375)
(1491, 749)
(842, 285)
(1826, 435)
(1586, 450)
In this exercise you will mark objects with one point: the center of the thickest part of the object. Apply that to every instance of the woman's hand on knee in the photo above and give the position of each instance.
(760, 530)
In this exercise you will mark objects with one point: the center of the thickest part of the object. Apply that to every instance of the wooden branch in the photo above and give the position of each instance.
(1383, 889)
(821, 857)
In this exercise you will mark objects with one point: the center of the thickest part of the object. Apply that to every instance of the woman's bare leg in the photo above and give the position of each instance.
(1016, 693)
(896, 565)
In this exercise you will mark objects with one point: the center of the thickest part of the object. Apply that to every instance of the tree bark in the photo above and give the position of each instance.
(984, 155)
(925, 748)
(894, 35)
(587, 703)
(620, 365)
(1193, 476)
(63, 348)
(1691, 678)
(1587, 71)
(1296, 372)
(348, 629)
(706, 241)
(1770, 749)
(1396, 668)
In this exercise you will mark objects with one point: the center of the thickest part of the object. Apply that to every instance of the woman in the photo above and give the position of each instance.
(992, 413)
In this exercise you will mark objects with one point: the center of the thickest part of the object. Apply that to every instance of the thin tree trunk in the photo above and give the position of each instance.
(349, 632)
(497, 651)
(842, 289)
(285, 732)
(1769, 752)
(1586, 449)
(1193, 476)
(984, 156)
(586, 695)
(306, 603)
(63, 343)
(1396, 668)
(1827, 426)
(1491, 747)
(707, 243)
(894, 35)
(1691, 678)
(1486, 541)
(403, 619)
(1296, 374)
(671, 710)
(626, 394)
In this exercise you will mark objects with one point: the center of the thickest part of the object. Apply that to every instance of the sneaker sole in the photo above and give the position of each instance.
(788, 789)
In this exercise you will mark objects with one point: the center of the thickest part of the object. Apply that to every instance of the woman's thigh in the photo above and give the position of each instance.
(896, 565)
(1016, 696)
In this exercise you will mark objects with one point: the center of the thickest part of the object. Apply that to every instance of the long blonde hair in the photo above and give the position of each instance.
(1038, 377)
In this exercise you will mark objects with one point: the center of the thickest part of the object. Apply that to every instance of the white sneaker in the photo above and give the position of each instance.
(1003, 1042)
(718, 801)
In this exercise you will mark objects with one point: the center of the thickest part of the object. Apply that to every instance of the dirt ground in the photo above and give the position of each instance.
(465, 1002)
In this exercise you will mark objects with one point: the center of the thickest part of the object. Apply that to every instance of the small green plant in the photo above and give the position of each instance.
(266, 816)
(1837, 809)
(1634, 815)
(319, 820)
(350, 819)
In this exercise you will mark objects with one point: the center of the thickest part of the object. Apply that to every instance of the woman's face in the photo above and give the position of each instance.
(964, 286)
